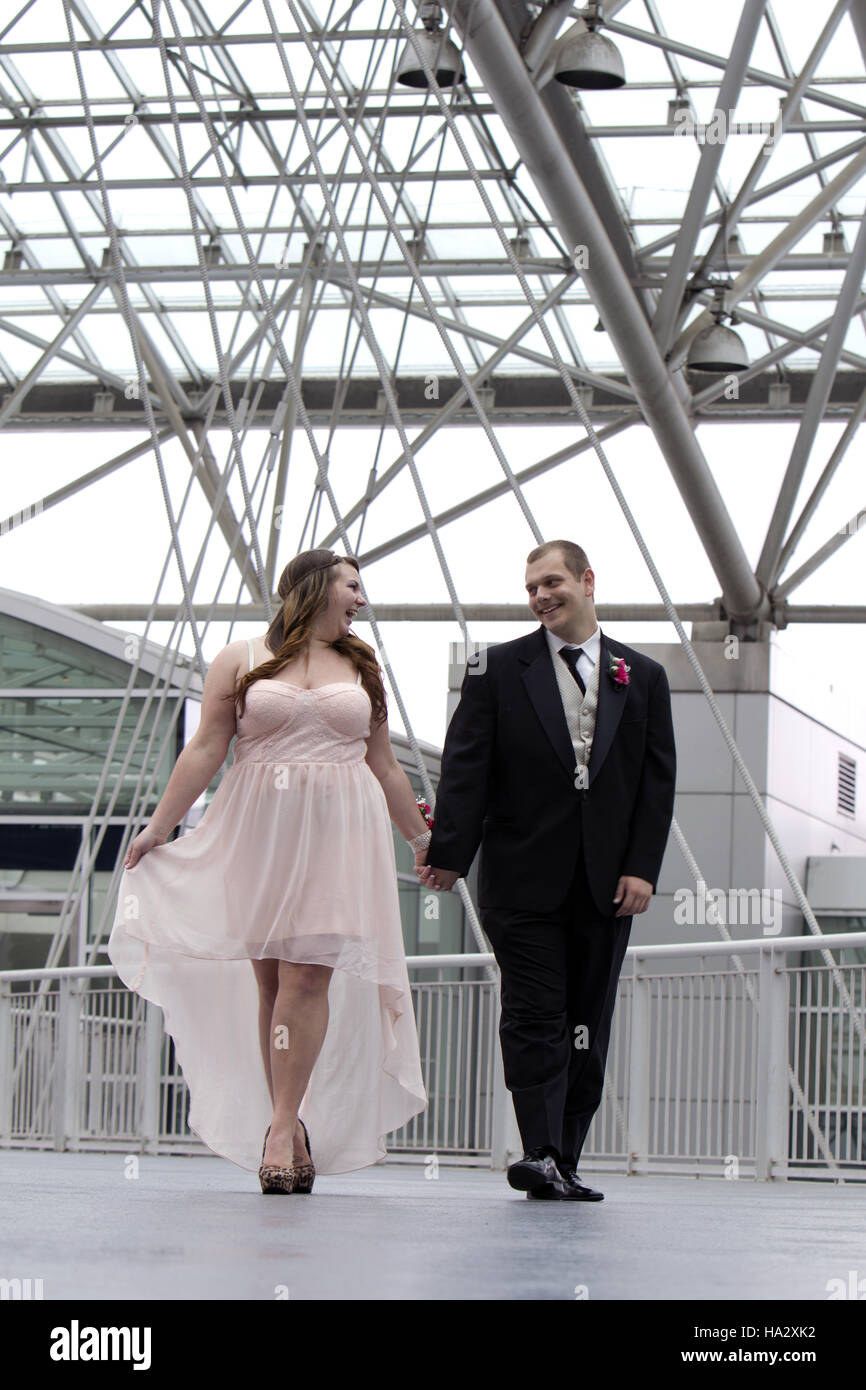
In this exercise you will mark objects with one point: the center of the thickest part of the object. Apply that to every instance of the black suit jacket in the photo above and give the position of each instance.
(508, 779)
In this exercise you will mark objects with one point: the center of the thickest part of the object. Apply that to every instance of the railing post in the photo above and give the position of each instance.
(639, 1070)
(151, 1078)
(505, 1145)
(773, 1105)
(67, 1065)
(7, 1063)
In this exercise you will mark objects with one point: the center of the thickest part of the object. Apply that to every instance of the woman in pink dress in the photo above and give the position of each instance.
(271, 934)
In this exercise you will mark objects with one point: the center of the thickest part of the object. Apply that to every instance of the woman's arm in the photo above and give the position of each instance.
(202, 757)
(402, 806)
(194, 770)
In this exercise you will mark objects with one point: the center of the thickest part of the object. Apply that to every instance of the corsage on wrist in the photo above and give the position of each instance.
(422, 841)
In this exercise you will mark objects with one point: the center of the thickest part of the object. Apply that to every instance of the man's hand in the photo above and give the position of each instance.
(440, 879)
(635, 894)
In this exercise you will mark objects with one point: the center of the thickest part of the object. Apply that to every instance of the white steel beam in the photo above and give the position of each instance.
(789, 109)
(769, 258)
(783, 613)
(16, 399)
(531, 129)
(759, 76)
(854, 422)
(670, 302)
(819, 392)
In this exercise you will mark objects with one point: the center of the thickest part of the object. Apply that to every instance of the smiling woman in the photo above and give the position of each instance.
(330, 1041)
(317, 580)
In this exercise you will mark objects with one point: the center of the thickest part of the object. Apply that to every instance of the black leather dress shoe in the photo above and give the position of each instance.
(536, 1169)
(578, 1190)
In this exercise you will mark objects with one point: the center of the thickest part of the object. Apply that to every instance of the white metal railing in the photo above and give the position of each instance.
(738, 1069)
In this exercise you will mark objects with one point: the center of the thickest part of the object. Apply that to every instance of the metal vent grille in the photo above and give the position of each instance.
(846, 789)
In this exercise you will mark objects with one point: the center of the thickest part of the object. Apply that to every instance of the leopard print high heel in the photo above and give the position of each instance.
(305, 1172)
(273, 1177)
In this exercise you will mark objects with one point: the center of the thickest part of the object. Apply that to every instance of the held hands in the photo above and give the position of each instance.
(440, 879)
(146, 840)
(632, 893)
(635, 894)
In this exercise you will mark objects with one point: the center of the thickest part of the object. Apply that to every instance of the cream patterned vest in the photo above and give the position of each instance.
(580, 713)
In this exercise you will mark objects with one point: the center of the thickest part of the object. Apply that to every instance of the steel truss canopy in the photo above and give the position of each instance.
(234, 217)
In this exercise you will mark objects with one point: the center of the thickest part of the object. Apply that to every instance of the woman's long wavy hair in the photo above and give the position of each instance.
(304, 588)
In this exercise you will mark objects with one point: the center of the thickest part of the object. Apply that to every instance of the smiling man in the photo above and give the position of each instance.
(559, 762)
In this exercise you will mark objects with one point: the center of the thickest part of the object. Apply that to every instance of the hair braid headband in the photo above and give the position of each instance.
(327, 566)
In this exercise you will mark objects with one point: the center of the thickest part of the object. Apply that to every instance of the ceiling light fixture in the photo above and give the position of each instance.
(717, 348)
(441, 54)
(589, 61)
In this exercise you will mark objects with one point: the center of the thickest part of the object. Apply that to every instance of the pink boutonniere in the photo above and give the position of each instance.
(424, 808)
(618, 671)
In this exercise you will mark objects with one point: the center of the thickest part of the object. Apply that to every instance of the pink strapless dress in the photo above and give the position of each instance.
(293, 860)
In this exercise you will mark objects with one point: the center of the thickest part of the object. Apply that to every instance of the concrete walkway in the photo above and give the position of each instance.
(200, 1228)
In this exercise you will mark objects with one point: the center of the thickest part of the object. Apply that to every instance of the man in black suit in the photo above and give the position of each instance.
(559, 761)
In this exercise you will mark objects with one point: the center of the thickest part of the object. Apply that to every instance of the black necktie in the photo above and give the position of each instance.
(569, 656)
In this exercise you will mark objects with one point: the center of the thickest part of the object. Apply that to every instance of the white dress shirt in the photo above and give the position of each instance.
(590, 651)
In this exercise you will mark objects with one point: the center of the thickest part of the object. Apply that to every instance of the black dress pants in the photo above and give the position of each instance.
(559, 972)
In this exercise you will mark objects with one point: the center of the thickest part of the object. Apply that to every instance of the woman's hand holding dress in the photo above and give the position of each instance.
(146, 839)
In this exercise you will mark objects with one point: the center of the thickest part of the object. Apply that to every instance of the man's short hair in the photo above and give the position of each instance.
(574, 556)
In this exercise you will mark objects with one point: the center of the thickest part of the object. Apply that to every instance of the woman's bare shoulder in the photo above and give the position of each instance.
(234, 659)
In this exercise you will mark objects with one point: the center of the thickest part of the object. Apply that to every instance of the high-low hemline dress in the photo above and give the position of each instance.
(293, 860)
